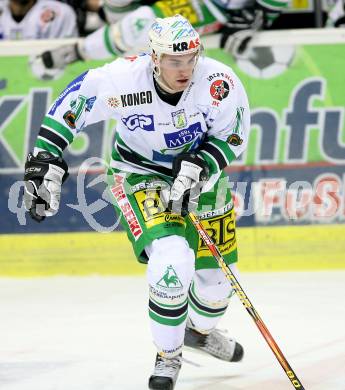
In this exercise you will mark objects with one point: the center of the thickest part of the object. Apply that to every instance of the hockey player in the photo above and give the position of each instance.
(31, 19)
(181, 119)
(131, 21)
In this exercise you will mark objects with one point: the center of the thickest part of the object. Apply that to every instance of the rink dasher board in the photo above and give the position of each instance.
(270, 248)
(308, 36)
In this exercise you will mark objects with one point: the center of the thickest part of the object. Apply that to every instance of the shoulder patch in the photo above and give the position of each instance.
(71, 87)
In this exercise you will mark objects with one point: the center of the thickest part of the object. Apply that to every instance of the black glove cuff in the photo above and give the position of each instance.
(193, 158)
(37, 167)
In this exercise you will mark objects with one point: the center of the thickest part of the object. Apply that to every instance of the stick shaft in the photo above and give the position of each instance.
(246, 303)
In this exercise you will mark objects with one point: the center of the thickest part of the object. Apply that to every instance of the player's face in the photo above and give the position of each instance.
(177, 71)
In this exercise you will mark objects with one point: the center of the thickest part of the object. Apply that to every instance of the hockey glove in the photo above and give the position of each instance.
(240, 29)
(190, 172)
(51, 63)
(44, 175)
(336, 15)
(114, 9)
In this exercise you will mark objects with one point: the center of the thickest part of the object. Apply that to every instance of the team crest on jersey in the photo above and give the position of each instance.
(234, 140)
(179, 119)
(48, 15)
(69, 118)
(219, 89)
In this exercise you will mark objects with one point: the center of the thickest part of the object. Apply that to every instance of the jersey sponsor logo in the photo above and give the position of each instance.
(214, 213)
(118, 191)
(179, 119)
(221, 229)
(71, 87)
(188, 91)
(169, 279)
(180, 141)
(183, 46)
(137, 98)
(182, 138)
(113, 102)
(78, 105)
(219, 89)
(89, 103)
(141, 122)
(150, 204)
(222, 75)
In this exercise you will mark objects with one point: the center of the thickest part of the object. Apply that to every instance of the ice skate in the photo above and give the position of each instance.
(215, 343)
(166, 372)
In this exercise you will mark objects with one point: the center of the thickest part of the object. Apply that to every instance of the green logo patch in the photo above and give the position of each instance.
(170, 279)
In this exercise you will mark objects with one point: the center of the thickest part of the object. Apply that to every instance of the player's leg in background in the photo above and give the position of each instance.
(127, 35)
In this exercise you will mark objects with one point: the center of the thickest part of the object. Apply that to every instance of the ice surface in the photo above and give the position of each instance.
(93, 334)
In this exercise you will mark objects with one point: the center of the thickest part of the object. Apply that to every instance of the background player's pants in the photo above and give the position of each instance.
(130, 26)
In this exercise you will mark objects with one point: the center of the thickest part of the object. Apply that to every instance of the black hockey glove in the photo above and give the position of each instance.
(241, 27)
(190, 172)
(51, 63)
(44, 175)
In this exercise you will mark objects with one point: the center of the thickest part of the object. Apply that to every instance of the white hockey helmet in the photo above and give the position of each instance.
(173, 35)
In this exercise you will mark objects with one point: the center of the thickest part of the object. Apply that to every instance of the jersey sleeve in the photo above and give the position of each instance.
(272, 9)
(68, 26)
(63, 23)
(228, 122)
(86, 100)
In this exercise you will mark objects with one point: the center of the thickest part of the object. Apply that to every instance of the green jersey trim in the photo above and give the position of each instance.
(57, 126)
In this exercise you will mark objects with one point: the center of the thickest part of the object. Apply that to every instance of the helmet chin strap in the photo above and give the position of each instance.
(162, 84)
(157, 75)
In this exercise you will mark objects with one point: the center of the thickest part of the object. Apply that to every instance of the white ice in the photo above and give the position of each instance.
(92, 333)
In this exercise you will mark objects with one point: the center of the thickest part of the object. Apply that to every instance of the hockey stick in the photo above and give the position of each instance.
(246, 302)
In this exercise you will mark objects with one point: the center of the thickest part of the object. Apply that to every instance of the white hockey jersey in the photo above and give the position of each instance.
(212, 116)
(45, 20)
